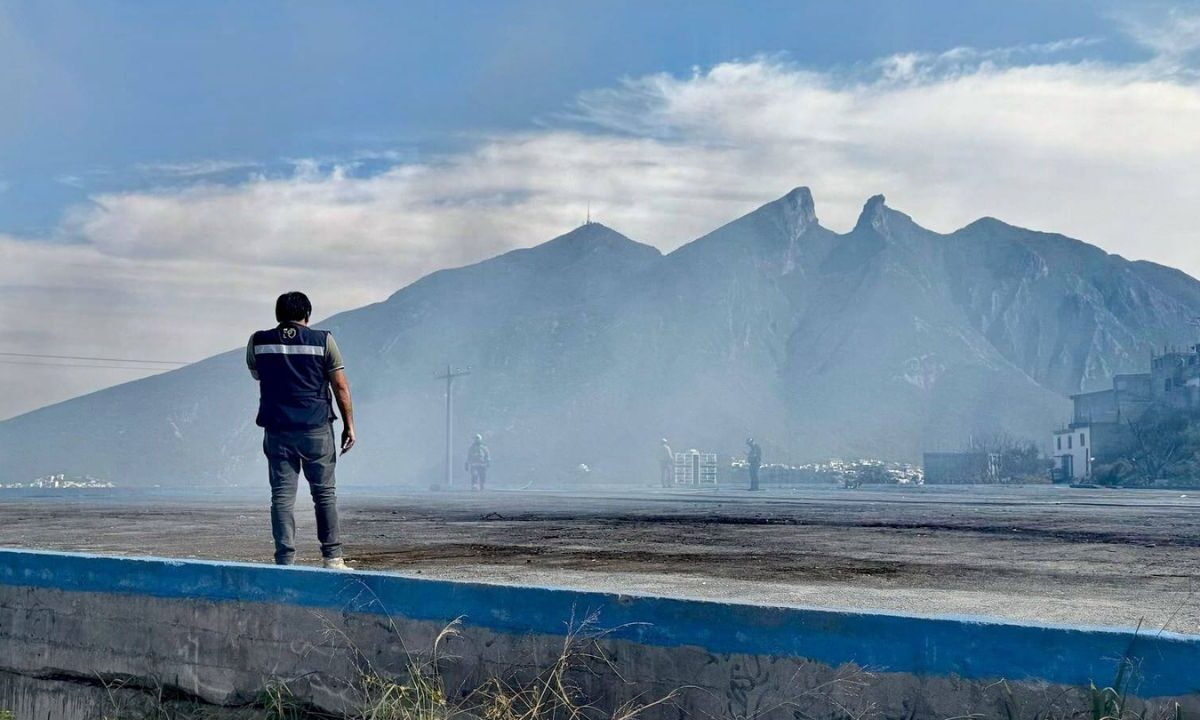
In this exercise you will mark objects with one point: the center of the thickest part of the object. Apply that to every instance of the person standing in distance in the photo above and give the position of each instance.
(479, 459)
(753, 461)
(296, 367)
(666, 465)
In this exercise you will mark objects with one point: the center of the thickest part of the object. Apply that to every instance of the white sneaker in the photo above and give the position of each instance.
(334, 564)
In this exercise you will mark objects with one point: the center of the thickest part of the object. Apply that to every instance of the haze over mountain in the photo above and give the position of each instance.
(881, 342)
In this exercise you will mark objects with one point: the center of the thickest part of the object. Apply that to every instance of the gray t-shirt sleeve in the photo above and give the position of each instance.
(333, 356)
(250, 362)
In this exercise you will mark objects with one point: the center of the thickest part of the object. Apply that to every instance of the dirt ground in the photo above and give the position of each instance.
(1051, 555)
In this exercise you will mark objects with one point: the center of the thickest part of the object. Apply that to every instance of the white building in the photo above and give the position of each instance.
(1072, 451)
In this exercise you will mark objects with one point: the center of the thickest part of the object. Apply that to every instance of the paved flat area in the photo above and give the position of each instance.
(1039, 554)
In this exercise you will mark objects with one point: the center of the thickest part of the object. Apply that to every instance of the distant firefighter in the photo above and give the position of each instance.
(666, 464)
(753, 461)
(478, 461)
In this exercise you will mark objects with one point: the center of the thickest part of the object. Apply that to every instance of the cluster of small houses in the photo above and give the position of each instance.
(696, 468)
(59, 481)
(845, 473)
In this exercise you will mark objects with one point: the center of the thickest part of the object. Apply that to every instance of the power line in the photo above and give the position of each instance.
(96, 359)
(81, 365)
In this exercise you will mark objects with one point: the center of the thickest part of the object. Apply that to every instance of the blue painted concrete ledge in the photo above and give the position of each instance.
(1167, 664)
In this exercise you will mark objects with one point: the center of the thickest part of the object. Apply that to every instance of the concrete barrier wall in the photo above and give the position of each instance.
(219, 632)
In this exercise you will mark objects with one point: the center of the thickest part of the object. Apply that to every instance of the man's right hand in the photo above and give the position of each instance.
(341, 392)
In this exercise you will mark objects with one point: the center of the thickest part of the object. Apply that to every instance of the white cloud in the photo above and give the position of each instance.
(197, 168)
(1101, 152)
(928, 66)
(1171, 32)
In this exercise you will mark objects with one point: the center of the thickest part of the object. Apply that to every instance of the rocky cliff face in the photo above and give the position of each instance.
(880, 342)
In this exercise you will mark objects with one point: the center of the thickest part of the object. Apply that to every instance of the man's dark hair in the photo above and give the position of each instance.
(293, 307)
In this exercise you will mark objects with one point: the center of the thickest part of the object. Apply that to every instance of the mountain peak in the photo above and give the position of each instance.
(592, 239)
(987, 222)
(874, 215)
(799, 207)
(592, 234)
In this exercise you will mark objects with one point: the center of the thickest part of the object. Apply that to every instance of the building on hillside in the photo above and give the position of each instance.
(961, 468)
(1128, 398)
(1175, 379)
(1099, 426)
(1100, 431)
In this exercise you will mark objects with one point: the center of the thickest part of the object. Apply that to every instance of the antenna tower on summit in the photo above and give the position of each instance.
(588, 220)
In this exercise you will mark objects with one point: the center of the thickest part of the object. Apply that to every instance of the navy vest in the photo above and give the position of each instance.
(292, 380)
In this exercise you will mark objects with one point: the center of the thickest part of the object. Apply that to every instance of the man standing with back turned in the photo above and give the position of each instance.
(295, 367)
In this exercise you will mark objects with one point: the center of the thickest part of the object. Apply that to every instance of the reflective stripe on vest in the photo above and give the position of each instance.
(289, 350)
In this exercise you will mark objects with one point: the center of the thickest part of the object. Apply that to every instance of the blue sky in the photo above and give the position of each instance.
(167, 168)
(110, 95)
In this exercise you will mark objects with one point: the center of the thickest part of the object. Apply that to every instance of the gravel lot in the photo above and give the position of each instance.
(1040, 554)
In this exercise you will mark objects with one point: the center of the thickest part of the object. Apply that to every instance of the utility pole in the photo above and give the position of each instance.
(448, 376)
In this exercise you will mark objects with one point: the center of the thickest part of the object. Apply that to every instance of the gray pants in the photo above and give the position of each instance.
(315, 452)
